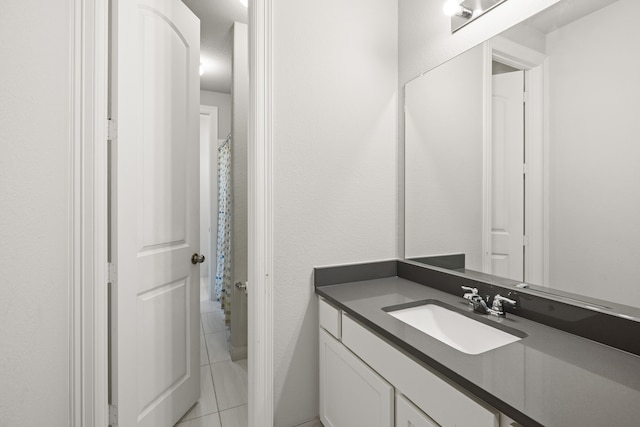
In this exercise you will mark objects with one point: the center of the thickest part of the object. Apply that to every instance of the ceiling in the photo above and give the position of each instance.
(216, 23)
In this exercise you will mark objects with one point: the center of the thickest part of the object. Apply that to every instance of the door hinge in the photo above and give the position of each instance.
(525, 97)
(112, 129)
(525, 168)
(112, 273)
(113, 415)
(525, 240)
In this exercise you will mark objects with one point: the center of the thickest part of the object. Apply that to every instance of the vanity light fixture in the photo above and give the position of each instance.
(454, 7)
(463, 12)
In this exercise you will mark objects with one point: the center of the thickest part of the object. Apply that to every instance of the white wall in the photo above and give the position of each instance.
(34, 215)
(335, 117)
(208, 190)
(223, 102)
(594, 99)
(444, 145)
(240, 110)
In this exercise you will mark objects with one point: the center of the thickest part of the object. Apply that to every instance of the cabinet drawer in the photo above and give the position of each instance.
(409, 415)
(330, 318)
(446, 404)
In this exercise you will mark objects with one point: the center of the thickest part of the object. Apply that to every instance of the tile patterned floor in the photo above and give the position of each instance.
(223, 383)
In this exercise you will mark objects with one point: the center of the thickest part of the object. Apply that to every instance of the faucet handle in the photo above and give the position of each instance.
(499, 299)
(472, 292)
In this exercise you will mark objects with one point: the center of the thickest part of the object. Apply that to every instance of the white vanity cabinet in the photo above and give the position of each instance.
(409, 415)
(351, 393)
(363, 379)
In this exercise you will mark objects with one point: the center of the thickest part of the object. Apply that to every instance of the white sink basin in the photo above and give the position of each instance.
(454, 329)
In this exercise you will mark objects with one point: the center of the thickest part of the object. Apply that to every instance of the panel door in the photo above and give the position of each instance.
(351, 393)
(155, 212)
(409, 415)
(507, 176)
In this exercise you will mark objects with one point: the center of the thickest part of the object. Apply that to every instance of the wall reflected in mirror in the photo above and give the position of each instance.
(523, 153)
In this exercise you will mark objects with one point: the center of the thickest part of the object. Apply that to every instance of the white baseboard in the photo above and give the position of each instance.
(239, 353)
(313, 423)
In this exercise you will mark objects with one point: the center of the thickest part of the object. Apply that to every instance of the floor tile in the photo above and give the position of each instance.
(235, 417)
(231, 383)
(206, 421)
(204, 356)
(207, 403)
(217, 347)
(213, 322)
(207, 306)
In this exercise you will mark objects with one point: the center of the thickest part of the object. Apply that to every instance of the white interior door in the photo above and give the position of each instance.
(155, 300)
(208, 189)
(507, 176)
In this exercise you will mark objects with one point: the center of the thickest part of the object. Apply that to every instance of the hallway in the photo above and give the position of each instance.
(223, 383)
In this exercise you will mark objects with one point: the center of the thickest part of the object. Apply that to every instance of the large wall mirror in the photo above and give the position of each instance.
(523, 154)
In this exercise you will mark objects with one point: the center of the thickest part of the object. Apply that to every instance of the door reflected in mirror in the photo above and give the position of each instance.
(523, 154)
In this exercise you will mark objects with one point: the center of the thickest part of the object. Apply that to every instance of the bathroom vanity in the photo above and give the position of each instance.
(520, 179)
(377, 370)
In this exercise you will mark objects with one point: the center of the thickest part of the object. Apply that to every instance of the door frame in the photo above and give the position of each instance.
(510, 53)
(88, 361)
(88, 320)
(260, 215)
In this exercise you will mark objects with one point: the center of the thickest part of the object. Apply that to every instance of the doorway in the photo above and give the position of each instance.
(223, 123)
(508, 172)
(513, 217)
(163, 221)
(91, 343)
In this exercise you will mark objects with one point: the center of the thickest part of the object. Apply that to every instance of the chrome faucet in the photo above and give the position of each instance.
(475, 301)
(497, 309)
(478, 304)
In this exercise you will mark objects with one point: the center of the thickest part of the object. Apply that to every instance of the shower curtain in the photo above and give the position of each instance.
(223, 280)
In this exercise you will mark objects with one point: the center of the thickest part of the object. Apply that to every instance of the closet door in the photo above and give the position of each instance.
(351, 393)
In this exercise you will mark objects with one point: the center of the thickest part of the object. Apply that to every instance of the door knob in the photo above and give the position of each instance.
(195, 259)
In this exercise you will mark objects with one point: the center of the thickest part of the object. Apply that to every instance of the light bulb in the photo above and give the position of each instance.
(451, 7)
(201, 69)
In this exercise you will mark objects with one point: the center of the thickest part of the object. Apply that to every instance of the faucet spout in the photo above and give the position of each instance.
(475, 301)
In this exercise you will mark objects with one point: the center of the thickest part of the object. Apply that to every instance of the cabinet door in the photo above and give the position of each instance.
(408, 414)
(430, 391)
(351, 394)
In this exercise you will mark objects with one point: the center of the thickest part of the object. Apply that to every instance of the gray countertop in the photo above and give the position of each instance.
(550, 377)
